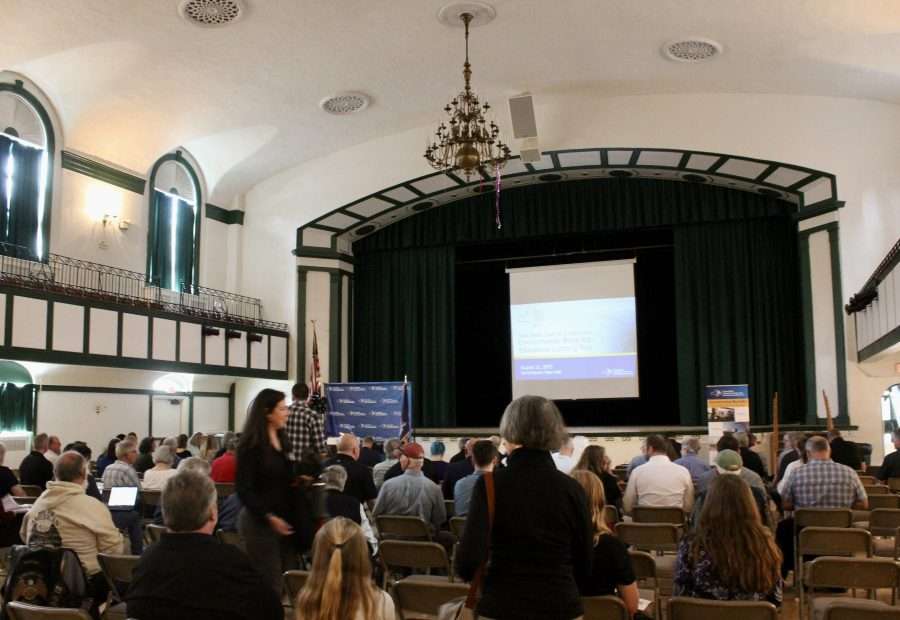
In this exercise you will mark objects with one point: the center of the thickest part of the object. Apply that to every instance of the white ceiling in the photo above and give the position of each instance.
(133, 80)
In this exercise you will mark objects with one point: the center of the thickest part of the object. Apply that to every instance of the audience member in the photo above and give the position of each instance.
(659, 482)
(438, 464)
(224, 468)
(458, 470)
(843, 451)
(728, 462)
(412, 494)
(793, 465)
(563, 459)
(339, 504)
(54, 448)
(690, 448)
(182, 451)
(122, 474)
(132, 436)
(340, 585)
(729, 442)
(196, 443)
(484, 457)
(612, 570)
(155, 479)
(791, 452)
(461, 453)
(189, 574)
(64, 516)
(263, 484)
(9, 485)
(368, 455)
(360, 483)
(730, 555)
(541, 541)
(638, 460)
(890, 467)
(108, 457)
(195, 464)
(750, 458)
(84, 450)
(305, 427)
(226, 437)
(594, 460)
(35, 469)
(145, 455)
(392, 456)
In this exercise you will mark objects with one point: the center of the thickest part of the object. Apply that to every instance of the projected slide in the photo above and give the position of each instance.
(574, 330)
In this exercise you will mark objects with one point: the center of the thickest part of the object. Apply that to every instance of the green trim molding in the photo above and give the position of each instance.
(226, 216)
(101, 171)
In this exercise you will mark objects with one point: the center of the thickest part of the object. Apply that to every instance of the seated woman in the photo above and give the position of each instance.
(594, 459)
(730, 555)
(612, 566)
(340, 585)
(156, 477)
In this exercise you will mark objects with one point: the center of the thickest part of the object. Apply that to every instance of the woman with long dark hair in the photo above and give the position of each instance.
(730, 555)
(108, 457)
(263, 486)
(594, 460)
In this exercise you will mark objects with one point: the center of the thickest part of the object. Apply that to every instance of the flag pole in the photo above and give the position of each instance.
(829, 420)
(776, 435)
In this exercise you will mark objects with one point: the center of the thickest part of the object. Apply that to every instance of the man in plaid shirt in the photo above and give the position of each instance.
(305, 428)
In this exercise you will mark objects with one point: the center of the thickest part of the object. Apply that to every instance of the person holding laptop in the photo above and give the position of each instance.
(122, 474)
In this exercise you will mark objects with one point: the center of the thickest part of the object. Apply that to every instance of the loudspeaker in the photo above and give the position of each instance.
(529, 150)
(521, 112)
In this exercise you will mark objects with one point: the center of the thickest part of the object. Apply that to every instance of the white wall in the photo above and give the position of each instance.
(858, 141)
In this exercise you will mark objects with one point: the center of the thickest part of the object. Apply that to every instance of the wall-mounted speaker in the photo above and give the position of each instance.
(231, 333)
(254, 337)
(521, 112)
(210, 331)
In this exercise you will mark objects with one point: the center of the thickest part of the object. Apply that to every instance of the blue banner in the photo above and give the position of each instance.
(381, 410)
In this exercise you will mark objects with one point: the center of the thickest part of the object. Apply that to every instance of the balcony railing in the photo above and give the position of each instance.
(93, 281)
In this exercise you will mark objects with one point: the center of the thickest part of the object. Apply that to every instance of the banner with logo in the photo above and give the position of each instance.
(727, 411)
(381, 410)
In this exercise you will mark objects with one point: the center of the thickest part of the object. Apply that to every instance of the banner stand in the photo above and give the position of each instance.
(727, 411)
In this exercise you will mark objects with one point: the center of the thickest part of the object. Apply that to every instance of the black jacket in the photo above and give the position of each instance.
(890, 467)
(263, 482)
(540, 544)
(342, 505)
(846, 453)
(360, 483)
(195, 577)
(455, 472)
(369, 457)
(753, 462)
(35, 469)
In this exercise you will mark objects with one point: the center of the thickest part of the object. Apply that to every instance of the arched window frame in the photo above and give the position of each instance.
(17, 87)
(179, 157)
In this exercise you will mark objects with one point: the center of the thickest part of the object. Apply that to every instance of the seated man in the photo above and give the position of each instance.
(189, 573)
(890, 467)
(730, 442)
(34, 468)
(458, 470)
(659, 482)
(412, 494)
(484, 456)
(689, 459)
(65, 516)
(360, 483)
(728, 462)
(122, 474)
(339, 504)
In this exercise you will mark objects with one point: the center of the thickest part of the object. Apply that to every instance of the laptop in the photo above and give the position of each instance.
(121, 498)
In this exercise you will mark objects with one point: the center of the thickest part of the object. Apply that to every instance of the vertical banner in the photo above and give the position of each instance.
(380, 410)
(727, 411)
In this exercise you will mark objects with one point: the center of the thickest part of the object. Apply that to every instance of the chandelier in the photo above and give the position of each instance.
(467, 141)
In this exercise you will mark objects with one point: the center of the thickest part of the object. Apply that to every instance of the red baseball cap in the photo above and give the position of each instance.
(413, 451)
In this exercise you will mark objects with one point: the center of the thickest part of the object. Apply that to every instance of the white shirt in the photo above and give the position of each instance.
(51, 456)
(659, 482)
(156, 479)
(791, 468)
(563, 463)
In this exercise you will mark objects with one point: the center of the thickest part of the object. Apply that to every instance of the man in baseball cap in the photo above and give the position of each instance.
(412, 494)
(729, 463)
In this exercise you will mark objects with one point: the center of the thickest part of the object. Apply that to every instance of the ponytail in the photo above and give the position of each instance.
(331, 590)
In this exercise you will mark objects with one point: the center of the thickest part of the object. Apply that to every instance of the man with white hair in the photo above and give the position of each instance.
(189, 573)
(122, 474)
(690, 448)
(360, 483)
(339, 504)
(563, 459)
(392, 454)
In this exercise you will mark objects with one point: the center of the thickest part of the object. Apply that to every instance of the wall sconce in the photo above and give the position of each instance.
(109, 219)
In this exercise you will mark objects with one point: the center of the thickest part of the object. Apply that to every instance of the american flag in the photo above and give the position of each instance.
(314, 385)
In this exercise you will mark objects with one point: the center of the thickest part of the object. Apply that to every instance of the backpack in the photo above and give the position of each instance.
(49, 577)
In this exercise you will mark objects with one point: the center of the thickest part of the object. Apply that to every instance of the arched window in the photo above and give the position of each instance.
(27, 147)
(173, 244)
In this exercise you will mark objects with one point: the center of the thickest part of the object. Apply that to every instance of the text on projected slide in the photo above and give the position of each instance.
(582, 339)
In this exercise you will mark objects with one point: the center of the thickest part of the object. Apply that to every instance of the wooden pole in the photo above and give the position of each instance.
(829, 421)
(775, 441)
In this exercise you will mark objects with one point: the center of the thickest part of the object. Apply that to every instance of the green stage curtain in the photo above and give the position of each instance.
(17, 407)
(737, 311)
(740, 323)
(404, 324)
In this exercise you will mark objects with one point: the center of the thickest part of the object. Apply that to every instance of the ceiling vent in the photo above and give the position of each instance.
(691, 50)
(345, 103)
(211, 13)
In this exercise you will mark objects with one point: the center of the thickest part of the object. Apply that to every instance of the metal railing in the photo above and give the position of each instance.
(80, 278)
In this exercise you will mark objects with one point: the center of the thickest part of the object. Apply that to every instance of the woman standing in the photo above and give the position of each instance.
(340, 584)
(540, 542)
(263, 486)
(594, 460)
(730, 555)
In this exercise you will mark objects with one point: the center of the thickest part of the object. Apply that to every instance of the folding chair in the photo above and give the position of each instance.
(224, 489)
(883, 524)
(117, 569)
(859, 610)
(829, 541)
(604, 608)
(610, 514)
(656, 537)
(416, 597)
(294, 580)
(877, 489)
(231, 538)
(884, 501)
(31, 490)
(658, 514)
(681, 608)
(413, 555)
(23, 611)
(893, 484)
(449, 508)
(867, 479)
(818, 517)
(150, 499)
(644, 567)
(397, 527)
(457, 526)
(154, 532)
(868, 574)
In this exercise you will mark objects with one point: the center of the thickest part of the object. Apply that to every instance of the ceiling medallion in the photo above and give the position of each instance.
(467, 141)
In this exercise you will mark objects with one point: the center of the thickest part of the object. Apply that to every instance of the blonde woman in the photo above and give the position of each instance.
(612, 567)
(340, 584)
